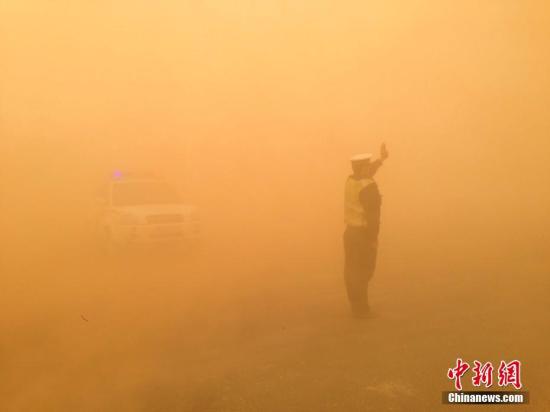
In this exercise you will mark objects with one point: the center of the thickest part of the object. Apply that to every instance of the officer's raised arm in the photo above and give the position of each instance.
(375, 165)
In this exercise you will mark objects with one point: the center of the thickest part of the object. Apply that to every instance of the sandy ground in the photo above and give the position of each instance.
(193, 333)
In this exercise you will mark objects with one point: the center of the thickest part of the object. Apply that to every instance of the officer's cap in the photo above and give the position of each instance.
(361, 157)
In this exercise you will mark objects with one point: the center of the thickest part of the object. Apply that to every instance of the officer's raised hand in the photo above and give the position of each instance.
(384, 154)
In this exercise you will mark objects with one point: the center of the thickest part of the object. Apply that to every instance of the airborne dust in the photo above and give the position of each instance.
(252, 109)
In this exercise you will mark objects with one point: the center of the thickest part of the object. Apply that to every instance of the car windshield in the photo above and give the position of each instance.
(143, 193)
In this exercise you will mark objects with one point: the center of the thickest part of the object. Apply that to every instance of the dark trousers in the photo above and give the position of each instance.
(360, 262)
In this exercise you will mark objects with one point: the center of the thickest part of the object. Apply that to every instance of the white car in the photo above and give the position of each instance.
(142, 211)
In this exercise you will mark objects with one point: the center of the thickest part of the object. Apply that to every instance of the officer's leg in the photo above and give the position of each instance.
(349, 264)
(369, 265)
(371, 257)
(362, 277)
(356, 281)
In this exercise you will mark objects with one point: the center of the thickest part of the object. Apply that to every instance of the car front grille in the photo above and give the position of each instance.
(161, 219)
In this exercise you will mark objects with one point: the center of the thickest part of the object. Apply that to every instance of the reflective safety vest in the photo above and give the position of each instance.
(354, 213)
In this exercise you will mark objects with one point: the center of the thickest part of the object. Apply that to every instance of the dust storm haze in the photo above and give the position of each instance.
(252, 110)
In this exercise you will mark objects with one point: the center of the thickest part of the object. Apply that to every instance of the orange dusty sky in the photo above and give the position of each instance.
(254, 107)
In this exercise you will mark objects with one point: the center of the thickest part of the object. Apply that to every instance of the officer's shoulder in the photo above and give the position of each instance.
(370, 186)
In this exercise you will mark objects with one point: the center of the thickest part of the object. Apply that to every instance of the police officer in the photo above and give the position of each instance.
(362, 218)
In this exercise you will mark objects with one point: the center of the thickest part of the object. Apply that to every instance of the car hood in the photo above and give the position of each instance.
(161, 209)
